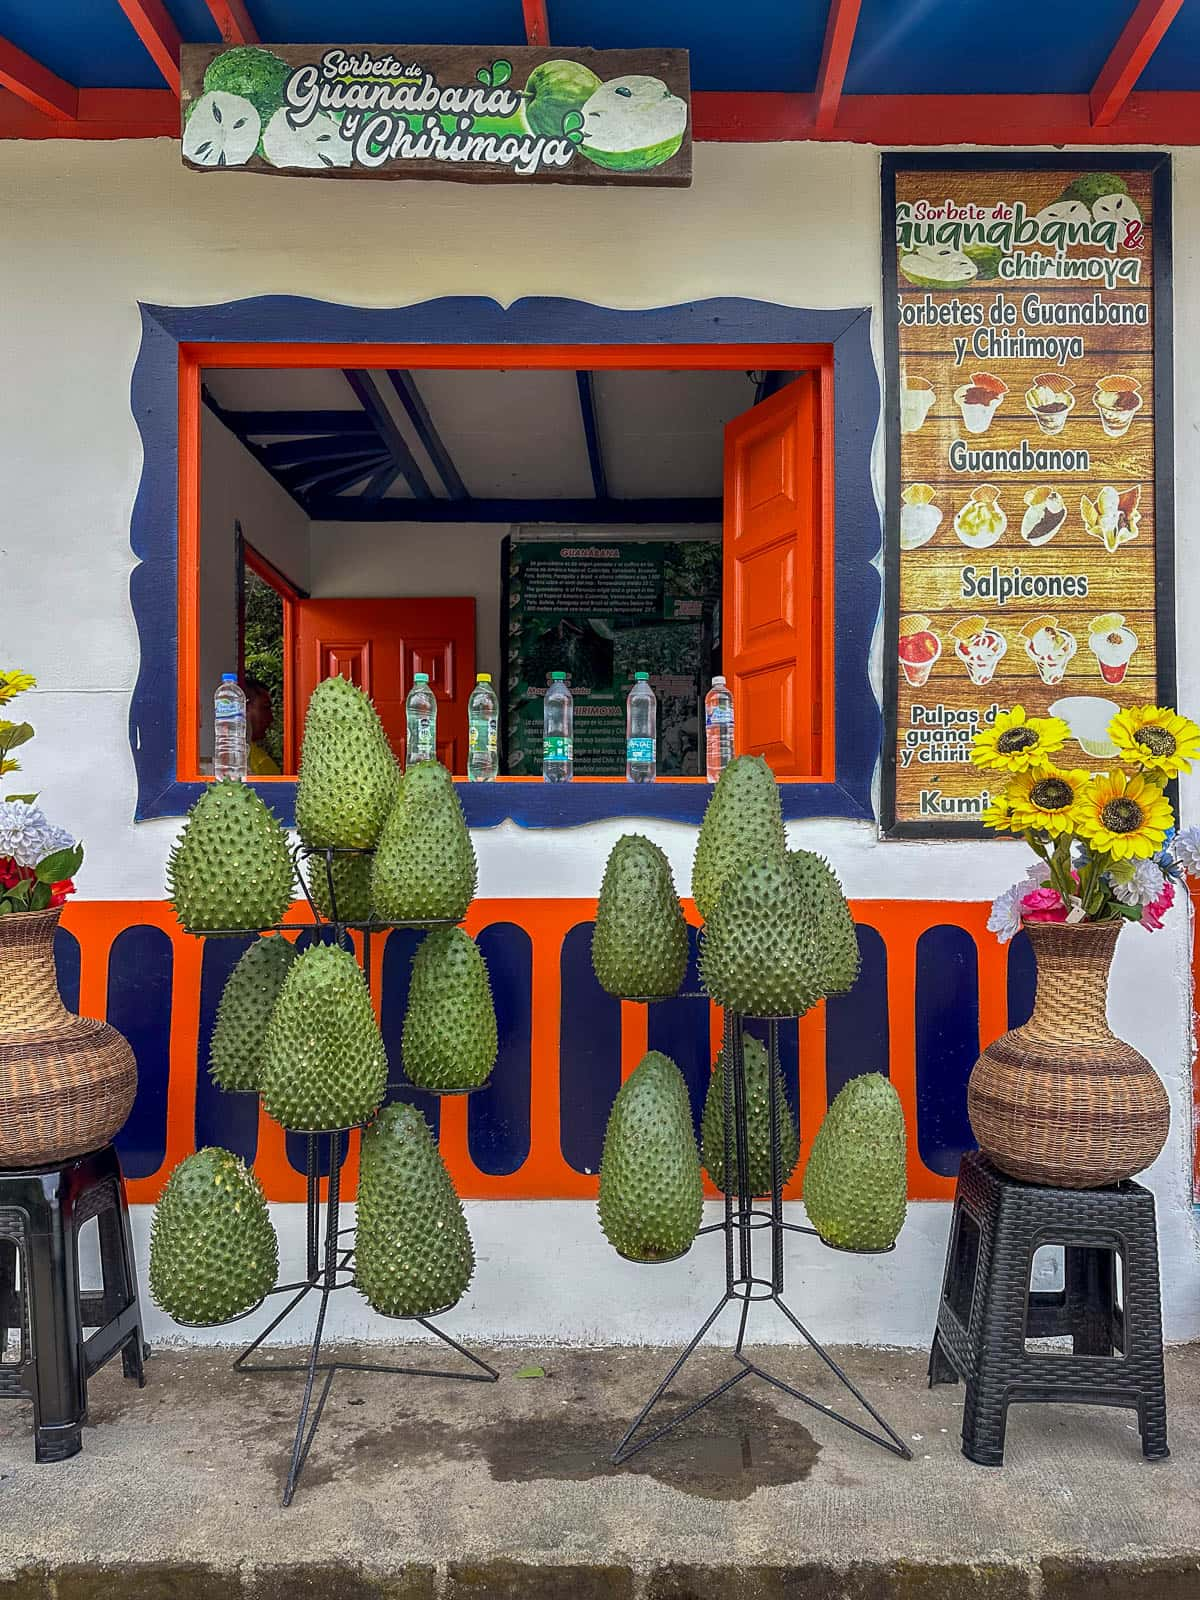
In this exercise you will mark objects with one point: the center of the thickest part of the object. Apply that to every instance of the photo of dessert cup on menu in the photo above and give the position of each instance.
(1112, 516)
(1049, 647)
(979, 401)
(981, 520)
(1046, 514)
(1088, 718)
(920, 647)
(978, 647)
(916, 399)
(1113, 643)
(1051, 400)
(919, 517)
(1118, 399)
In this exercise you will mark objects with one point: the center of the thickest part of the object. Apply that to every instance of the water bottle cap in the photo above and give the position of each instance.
(229, 677)
(558, 677)
(483, 677)
(420, 677)
(718, 679)
(641, 677)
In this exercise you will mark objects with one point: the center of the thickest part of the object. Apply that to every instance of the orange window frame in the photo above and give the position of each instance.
(254, 561)
(195, 358)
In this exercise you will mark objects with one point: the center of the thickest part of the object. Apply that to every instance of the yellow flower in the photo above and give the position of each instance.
(9, 766)
(1157, 738)
(1017, 743)
(998, 815)
(14, 682)
(1126, 818)
(1044, 802)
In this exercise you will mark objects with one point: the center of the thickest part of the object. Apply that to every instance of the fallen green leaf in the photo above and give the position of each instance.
(530, 1372)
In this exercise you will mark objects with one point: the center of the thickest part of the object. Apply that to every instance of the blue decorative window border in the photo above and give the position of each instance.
(154, 587)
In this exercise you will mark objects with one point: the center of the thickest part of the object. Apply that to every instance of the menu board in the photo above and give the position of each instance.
(1028, 493)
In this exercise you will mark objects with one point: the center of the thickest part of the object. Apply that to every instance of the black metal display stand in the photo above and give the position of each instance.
(744, 1284)
(329, 1249)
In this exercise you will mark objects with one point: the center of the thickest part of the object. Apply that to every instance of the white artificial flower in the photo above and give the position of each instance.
(1005, 920)
(1185, 847)
(1145, 885)
(27, 836)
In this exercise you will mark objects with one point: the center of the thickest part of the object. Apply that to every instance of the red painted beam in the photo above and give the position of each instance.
(103, 114)
(153, 25)
(835, 58)
(36, 85)
(537, 24)
(1139, 39)
(234, 21)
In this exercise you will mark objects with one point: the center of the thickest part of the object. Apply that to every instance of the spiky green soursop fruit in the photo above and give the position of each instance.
(230, 870)
(651, 1190)
(640, 942)
(247, 1001)
(413, 1254)
(348, 774)
(834, 939)
(450, 1038)
(351, 897)
(213, 1251)
(424, 868)
(855, 1184)
(757, 956)
(742, 823)
(324, 1064)
(758, 1123)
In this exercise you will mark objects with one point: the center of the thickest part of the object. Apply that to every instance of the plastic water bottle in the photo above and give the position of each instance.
(641, 723)
(229, 719)
(718, 729)
(421, 710)
(558, 731)
(483, 726)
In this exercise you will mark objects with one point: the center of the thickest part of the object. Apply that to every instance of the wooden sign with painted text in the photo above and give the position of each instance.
(471, 113)
(1028, 488)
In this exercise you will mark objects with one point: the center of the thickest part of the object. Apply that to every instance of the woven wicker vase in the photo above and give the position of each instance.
(1062, 1100)
(66, 1082)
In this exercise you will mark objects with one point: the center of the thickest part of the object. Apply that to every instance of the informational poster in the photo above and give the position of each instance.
(1029, 517)
(601, 609)
(464, 112)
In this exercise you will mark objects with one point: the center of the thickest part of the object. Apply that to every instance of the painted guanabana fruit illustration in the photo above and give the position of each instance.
(450, 1038)
(1089, 187)
(651, 1190)
(986, 257)
(348, 774)
(758, 956)
(936, 266)
(221, 130)
(742, 823)
(424, 868)
(855, 1184)
(758, 1124)
(351, 896)
(831, 932)
(632, 123)
(230, 870)
(640, 940)
(213, 1251)
(248, 70)
(312, 145)
(324, 1064)
(413, 1254)
(247, 1001)
(552, 89)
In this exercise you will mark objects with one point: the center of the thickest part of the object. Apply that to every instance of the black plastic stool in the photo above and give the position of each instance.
(988, 1310)
(42, 1211)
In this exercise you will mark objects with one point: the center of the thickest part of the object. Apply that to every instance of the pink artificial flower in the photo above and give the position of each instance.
(1154, 911)
(1043, 905)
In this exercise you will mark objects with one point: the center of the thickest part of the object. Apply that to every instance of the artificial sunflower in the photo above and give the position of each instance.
(1126, 818)
(1045, 802)
(14, 682)
(998, 814)
(1157, 738)
(1017, 743)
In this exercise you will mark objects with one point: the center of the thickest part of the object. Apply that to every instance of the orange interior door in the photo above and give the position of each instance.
(379, 645)
(771, 590)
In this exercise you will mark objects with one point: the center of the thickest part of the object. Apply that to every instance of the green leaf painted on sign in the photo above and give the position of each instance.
(501, 73)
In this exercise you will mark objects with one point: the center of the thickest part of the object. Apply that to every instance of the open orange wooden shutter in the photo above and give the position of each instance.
(772, 590)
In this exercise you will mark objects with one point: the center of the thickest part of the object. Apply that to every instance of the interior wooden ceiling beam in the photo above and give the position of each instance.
(234, 21)
(835, 58)
(1139, 39)
(36, 85)
(373, 403)
(432, 443)
(591, 433)
(154, 26)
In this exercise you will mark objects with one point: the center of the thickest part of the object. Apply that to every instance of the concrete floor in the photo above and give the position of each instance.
(424, 1488)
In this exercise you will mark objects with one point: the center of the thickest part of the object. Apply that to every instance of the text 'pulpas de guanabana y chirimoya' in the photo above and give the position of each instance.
(855, 1184)
(640, 940)
(651, 1189)
(424, 868)
(230, 870)
(758, 1123)
(413, 1253)
(450, 1037)
(213, 1251)
(348, 773)
(743, 823)
(324, 1064)
(247, 1001)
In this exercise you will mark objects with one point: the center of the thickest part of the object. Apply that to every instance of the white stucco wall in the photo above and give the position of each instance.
(90, 229)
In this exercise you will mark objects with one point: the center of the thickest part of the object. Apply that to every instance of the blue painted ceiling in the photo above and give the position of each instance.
(901, 46)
